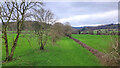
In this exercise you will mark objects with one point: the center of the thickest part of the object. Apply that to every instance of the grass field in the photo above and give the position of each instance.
(98, 42)
(66, 52)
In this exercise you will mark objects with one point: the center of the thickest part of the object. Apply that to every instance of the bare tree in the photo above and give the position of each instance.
(68, 29)
(79, 31)
(17, 12)
(5, 16)
(57, 31)
(44, 19)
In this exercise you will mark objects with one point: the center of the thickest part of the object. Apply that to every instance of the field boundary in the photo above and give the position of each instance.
(93, 51)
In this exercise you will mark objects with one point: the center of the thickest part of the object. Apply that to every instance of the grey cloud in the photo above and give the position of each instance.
(70, 9)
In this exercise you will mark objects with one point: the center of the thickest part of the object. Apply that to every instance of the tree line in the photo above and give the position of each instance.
(97, 32)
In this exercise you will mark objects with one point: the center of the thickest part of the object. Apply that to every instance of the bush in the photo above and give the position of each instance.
(112, 58)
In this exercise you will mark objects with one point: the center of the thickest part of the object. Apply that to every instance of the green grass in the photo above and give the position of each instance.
(66, 52)
(98, 42)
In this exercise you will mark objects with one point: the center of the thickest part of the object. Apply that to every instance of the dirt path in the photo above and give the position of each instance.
(93, 51)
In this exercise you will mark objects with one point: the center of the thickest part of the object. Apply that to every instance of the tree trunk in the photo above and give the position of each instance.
(6, 45)
(41, 47)
(13, 47)
(7, 52)
(79, 32)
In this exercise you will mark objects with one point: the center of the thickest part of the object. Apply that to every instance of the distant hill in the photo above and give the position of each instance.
(27, 25)
(77, 27)
(107, 26)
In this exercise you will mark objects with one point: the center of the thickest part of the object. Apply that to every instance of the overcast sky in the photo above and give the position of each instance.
(84, 13)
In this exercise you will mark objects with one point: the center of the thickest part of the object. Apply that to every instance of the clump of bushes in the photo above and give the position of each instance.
(59, 30)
